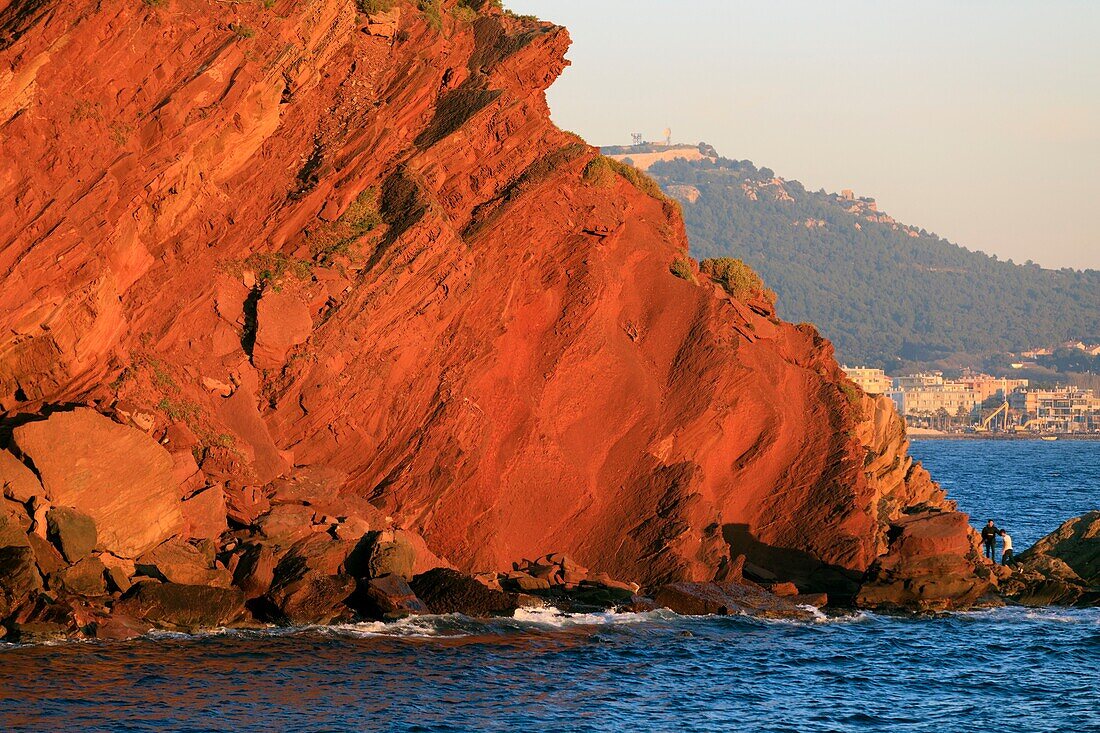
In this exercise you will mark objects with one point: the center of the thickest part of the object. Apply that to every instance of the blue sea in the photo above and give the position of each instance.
(1004, 670)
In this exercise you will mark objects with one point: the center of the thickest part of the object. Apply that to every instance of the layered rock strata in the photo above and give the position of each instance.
(283, 275)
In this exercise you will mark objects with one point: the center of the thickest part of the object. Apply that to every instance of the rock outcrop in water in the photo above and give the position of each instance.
(277, 277)
(1062, 568)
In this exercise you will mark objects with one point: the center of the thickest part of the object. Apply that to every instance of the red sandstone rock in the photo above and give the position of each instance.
(932, 563)
(282, 322)
(204, 514)
(182, 607)
(501, 361)
(16, 480)
(116, 475)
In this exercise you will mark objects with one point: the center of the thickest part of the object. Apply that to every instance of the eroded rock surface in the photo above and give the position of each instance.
(114, 474)
(350, 282)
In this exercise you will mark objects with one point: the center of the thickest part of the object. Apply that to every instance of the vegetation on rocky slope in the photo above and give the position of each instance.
(881, 291)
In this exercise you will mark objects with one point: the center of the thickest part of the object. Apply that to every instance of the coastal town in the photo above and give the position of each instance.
(975, 403)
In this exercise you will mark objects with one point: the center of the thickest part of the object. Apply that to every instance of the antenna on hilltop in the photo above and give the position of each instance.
(668, 136)
(638, 138)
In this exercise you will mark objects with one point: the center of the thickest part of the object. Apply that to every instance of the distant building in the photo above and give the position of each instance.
(871, 381)
(986, 386)
(848, 194)
(1060, 410)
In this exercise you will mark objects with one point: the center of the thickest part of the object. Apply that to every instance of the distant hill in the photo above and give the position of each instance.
(883, 291)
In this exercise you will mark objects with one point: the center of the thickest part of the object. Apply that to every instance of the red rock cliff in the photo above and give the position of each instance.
(297, 241)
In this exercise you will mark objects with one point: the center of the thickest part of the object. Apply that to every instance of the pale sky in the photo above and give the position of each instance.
(978, 120)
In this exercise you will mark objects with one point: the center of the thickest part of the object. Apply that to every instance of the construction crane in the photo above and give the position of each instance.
(1002, 410)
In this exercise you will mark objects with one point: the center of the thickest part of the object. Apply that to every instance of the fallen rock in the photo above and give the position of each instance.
(727, 599)
(311, 599)
(20, 582)
(73, 532)
(245, 504)
(115, 474)
(389, 597)
(282, 322)
(46, 556)
(1076, 544)
(179, 562)
(85, 578)
(12, 532)
(932, 563)
(286, 524)
(16, 480)
(310, 585)
(383, 553)
(448, 591)
(119, 572)
(204, 514)
(119, 627)
(255, 571)
(182, 607)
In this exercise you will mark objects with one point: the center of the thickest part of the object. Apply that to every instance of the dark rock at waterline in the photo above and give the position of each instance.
(1061, 569)
(118, 627)
(728, 599)
(389, 597)
(311, 599)
(1076, 543)
(448, 591)
(19, 579)
(73, 532)
(182, 607)
(310, 585)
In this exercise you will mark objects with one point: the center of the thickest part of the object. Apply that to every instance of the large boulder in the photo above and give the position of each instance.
(310, 585)
(282, 322)
(254, 571)
(448, 591)
(85, 578)
(389, 597)
(932, 563)
(12, 531)
(205, 514)
(182, 607)
(115, 474)
(73, 532)
(16, 480)
(1076, 544)
(384, 553)
(176, 561)
(1062, 569)
(20, 582)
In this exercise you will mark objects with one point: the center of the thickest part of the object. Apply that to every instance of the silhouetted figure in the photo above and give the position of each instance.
(989, 539)
(1006, 548)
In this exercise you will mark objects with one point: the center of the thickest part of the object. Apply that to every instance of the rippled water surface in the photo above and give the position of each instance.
(1006, 670)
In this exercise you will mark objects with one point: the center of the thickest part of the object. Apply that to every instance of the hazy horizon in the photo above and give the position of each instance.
(979, 121)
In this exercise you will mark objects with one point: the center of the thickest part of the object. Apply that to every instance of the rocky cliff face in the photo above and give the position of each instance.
(325, 255)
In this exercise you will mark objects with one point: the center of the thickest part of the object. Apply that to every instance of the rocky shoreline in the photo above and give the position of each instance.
(310, 313)
(58, 579)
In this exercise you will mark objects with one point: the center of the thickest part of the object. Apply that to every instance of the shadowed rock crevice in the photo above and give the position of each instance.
(767, 563)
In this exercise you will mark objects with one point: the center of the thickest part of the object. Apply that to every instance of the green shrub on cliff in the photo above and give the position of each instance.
(681, 268)
(433, 12)
(369, 7)
(737, 278)
(601, 171)
(877, 289)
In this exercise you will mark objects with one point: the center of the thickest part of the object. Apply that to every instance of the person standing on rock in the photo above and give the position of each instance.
(989, 540)
(1006, 548)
